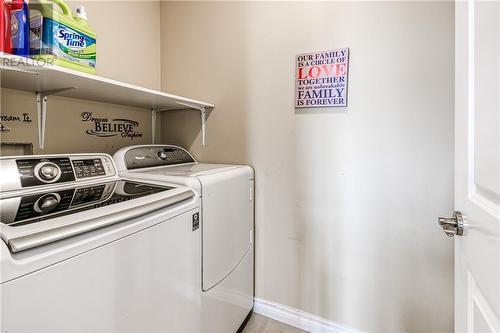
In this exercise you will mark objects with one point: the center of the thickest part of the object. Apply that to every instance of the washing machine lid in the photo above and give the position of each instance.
(185, 170)
(165, 163)
(55, 213)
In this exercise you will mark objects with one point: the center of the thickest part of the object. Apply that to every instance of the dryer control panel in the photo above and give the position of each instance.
(28, 171)
(136, 157)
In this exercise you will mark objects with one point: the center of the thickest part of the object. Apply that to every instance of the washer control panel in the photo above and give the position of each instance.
(40, 171)
(88, 168)
(27, 171)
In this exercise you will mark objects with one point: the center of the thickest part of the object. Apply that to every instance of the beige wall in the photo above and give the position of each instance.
(128, 39)
(128, 49)
(347, 198)
(66, 132)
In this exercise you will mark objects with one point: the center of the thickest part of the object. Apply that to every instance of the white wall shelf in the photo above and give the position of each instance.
(44, 80)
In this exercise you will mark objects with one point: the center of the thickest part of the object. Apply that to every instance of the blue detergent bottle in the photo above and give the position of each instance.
(20, 28)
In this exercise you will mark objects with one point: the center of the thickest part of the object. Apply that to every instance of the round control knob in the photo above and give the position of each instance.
(47, 203)
(162, 155)
(49, 172)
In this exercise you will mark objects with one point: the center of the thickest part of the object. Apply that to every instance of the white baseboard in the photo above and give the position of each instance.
(298, 318)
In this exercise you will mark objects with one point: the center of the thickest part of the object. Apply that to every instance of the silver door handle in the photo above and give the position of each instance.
(452, 225)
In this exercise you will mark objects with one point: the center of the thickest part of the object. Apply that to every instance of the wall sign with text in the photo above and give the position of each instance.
(321, 79)
(5, 118)
(104, 127)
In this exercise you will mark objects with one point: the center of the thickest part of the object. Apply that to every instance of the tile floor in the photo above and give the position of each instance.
(261, 324)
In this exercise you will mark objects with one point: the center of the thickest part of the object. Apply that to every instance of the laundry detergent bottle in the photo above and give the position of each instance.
(61, 39)
(20, 28)
(5, 38)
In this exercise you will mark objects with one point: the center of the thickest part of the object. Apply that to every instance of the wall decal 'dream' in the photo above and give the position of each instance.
(321, 79)
(4, 118)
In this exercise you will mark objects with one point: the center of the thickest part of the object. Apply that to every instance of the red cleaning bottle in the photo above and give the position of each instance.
(5, 37)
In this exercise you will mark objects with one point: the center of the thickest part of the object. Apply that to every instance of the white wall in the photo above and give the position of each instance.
(347, 198)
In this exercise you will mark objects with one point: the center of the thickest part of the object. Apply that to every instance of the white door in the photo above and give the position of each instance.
(477, 166)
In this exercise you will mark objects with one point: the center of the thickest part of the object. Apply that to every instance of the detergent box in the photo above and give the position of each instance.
(60, 38)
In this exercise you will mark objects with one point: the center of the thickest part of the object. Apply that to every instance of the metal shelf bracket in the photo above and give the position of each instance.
(41, 110)
(203, 114)
(153, 125)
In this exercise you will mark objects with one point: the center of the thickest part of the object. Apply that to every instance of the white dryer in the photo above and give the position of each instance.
(83, 249)
(227, 222)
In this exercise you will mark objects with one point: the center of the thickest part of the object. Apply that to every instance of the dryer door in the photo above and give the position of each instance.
(227, 222)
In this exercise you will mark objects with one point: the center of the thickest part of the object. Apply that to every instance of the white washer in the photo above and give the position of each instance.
(227, 220)
(84, 250)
